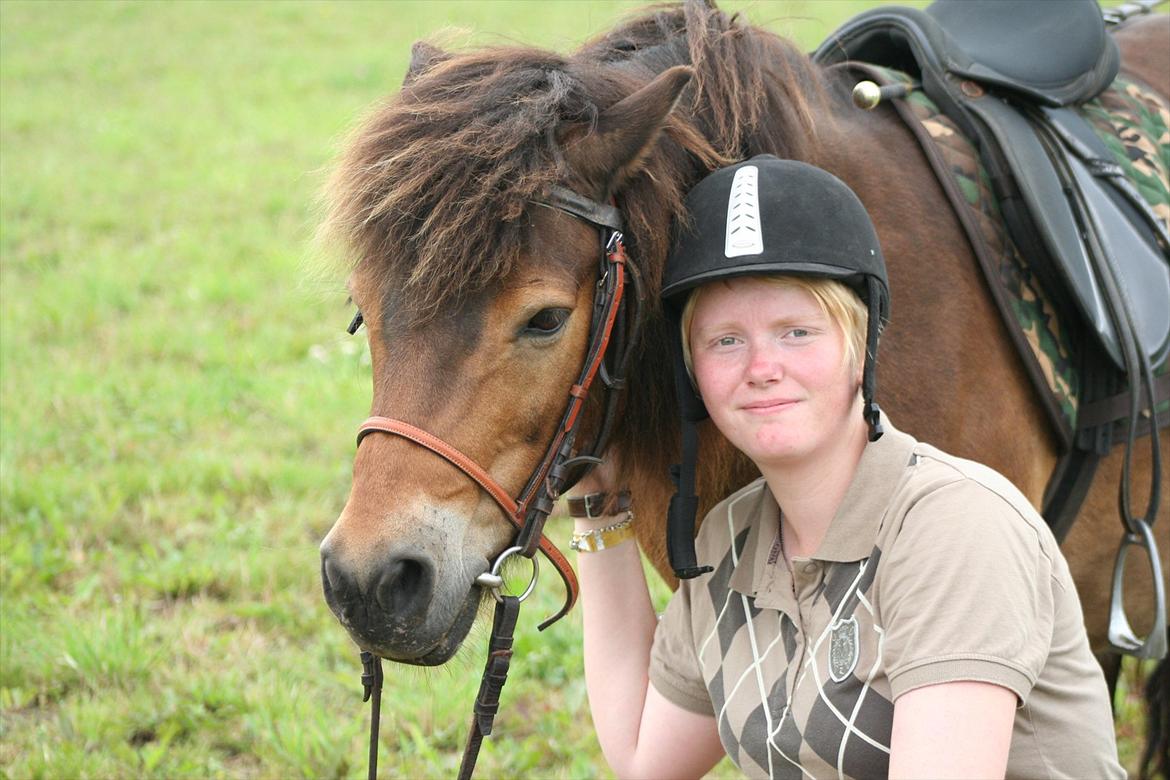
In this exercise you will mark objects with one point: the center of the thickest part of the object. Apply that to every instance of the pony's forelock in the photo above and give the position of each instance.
(433, 191)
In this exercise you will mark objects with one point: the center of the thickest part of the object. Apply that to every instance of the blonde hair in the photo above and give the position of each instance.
(839, 303)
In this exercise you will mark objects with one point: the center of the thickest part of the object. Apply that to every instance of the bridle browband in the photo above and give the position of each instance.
(613, 334)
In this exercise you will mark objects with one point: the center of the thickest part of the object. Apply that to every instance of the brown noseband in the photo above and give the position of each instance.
(512, 510)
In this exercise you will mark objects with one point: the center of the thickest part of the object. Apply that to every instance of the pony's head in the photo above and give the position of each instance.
(477, 302)
(478, 299)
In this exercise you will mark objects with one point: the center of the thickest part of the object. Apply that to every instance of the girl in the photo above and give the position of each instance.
(870, 606)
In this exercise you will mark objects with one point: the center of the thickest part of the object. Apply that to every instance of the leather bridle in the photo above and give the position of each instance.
(614, 332)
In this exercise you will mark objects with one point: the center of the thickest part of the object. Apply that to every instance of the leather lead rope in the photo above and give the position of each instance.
(372, 683)
(487, 701)
(495, 674)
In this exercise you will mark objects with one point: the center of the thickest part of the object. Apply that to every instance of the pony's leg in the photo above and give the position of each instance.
(1111, 666)
(1156, 756)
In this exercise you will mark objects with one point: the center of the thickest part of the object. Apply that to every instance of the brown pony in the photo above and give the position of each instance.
(462, 279)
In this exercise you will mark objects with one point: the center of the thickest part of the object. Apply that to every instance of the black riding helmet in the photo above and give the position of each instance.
(760, 217)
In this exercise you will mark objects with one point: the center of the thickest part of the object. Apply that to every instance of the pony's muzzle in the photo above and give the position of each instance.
(394, 596)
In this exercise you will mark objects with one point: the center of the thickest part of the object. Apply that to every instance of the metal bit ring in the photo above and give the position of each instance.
(495, 583)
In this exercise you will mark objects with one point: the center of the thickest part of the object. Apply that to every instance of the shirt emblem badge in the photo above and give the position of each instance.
(843, 649)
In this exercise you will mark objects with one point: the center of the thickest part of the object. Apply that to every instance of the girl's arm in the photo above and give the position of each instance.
(642, 734)
(952, 730)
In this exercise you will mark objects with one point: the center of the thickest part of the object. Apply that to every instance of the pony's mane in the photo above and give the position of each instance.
(434, 188)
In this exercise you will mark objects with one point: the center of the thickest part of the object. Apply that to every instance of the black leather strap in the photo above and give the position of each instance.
(589, 210)
(684, 504)
(1116, 407)
(372, 685)
(599, 504)
(495, 674)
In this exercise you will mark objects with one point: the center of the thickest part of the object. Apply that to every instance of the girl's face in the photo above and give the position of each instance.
(771, 368)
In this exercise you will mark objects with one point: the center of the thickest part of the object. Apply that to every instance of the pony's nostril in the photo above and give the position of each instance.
(405, 586)
(340, 590)
(334, 578)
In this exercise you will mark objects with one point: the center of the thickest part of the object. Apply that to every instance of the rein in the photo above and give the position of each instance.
(616, 324)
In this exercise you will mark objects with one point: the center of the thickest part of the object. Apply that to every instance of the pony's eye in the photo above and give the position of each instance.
(355, 323)
(546, 322)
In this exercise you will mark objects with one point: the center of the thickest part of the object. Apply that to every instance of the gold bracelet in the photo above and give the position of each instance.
(604, 538)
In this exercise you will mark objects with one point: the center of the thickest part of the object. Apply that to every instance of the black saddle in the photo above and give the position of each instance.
(1009, 73)
(1053, 53)
(1006, 72)
(1011, 45)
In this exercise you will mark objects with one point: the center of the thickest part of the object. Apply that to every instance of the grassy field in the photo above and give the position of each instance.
(178, 397)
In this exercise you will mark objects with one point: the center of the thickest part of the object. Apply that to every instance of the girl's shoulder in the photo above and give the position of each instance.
(968, 480)
(946, 494)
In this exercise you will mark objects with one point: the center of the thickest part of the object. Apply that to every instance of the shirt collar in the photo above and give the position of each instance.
(854, 529)
(853, 532)
(762, 536)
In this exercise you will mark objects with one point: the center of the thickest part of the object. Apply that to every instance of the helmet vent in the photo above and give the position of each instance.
(744, 232)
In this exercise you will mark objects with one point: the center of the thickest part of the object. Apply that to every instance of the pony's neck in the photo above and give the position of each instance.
(752, 93)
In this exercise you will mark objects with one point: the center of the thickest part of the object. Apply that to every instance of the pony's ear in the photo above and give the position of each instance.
(423, 56)
(608, 155)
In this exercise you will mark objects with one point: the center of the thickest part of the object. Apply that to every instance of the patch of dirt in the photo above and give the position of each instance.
(142, 737)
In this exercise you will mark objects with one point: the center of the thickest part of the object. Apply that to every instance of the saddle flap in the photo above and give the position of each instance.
(1141, 267)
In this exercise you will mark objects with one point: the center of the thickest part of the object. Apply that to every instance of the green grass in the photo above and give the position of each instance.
(177, 398)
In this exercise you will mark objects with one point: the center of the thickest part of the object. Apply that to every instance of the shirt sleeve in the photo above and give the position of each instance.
(967, 593)
(674, 664)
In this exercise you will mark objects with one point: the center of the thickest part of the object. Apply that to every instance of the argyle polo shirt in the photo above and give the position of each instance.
(935, 569)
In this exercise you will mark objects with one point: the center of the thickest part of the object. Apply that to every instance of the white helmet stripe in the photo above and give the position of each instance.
(745, 234)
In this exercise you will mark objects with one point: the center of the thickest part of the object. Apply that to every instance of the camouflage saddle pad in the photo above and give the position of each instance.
(1134, 123)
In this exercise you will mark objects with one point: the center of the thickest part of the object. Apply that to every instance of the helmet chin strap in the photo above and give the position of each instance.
(684, 504)
(680, 518)
(873, 414)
